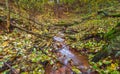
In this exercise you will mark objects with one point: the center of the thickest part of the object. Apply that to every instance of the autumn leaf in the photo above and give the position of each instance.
(6, 43)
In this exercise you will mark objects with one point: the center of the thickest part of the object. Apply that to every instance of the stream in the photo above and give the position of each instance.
(68, 58)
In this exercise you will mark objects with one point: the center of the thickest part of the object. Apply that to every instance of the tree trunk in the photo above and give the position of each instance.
(18, 6)
(8, 15)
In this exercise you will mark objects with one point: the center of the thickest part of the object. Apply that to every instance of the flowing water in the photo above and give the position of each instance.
(68, 57)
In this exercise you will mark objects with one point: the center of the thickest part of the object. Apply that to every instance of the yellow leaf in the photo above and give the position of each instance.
(113, 66)
(5, 43)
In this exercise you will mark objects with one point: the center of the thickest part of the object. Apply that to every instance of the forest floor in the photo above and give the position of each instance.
(23, 51)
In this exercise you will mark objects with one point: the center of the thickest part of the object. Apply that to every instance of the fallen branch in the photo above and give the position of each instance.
(67, 24)
(96, 35)
(30, 32)
(107, 14)
(7, 65)
(13, 70)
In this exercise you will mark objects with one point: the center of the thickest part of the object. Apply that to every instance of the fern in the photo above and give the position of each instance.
(114, 44)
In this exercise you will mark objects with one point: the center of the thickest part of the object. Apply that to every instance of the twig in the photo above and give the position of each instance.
(13, 70)
(9, 62)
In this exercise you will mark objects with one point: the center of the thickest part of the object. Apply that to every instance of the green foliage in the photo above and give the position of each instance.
(32, 5)
(113, 33)
(20, 43)
(68, 1)
(113, 36)
(89, 5)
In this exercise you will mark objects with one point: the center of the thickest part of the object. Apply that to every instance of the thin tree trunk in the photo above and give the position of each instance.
(18, 6)
(8, 15)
